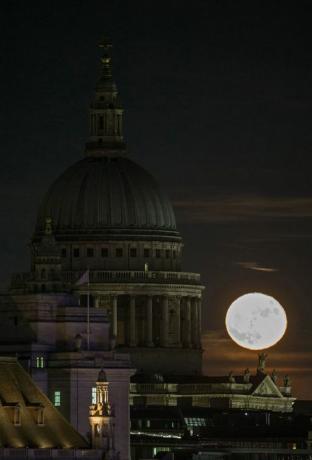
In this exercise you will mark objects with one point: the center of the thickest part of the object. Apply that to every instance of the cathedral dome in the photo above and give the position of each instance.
(106, 195)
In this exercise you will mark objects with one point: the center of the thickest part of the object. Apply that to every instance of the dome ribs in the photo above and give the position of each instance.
(98, 195)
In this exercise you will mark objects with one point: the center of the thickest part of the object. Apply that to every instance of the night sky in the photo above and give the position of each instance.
(218, 100)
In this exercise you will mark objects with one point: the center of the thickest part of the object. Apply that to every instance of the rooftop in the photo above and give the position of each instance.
(27, 416)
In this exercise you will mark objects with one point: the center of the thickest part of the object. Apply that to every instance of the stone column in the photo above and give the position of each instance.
(164, 322)
(194, 313)
(115, 316)
(132, 341)
(178, 319)
(97, 302)
(188, 325)
(149, 321)
(199, 320)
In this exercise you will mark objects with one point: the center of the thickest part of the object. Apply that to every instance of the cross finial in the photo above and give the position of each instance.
(105, 43)
(48, 226)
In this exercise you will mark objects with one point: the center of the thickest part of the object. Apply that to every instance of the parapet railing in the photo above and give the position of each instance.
(108, 276)
(102, 276)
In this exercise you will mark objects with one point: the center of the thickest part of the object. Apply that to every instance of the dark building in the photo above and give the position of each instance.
(106, 290)
(105, 287)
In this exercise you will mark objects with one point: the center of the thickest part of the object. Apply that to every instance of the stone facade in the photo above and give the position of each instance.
(257, 393)
(48, 333)
(107, 216)
(104, 221)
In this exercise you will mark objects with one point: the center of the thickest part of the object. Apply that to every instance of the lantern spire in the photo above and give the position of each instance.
(106, 112)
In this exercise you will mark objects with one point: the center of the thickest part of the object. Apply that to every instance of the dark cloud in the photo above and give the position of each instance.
(254, 266)
(244, 208)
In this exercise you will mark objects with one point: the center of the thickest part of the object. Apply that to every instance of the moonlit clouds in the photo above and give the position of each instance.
(243, 208)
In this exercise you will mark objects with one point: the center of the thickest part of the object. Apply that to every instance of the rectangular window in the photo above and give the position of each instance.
(167, 253)
(174, 254)
(104, 252)
(93, 395)
(39, 362)
(90, 252)
(63, 253)
(158, 253)
(57, 398)
(76, 252)
(133, 252)
(118, 252)
(146, 252)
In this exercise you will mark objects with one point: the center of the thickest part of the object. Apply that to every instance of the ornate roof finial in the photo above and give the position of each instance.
(106, 112)
(102, 376)
(106, 59)
(274, 376)
(261, 362)
(48, 226)
(247, 375)
(105, 44)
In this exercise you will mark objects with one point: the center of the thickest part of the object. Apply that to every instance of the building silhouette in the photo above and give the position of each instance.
(106, 291)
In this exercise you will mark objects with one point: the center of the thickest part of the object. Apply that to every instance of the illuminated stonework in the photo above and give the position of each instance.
(259, 392)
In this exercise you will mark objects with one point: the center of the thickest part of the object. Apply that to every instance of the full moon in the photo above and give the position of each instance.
(256, 321)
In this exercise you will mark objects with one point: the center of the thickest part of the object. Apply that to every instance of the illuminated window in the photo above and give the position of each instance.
(57, 398)
(156, 450)
(93, 395)
(195, 421)
(39, 362)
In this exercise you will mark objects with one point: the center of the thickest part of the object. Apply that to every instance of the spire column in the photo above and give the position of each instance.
(178, 321)
(132, 341)
(165, 321)
(115, 316)
(149, 316)
(188, 325)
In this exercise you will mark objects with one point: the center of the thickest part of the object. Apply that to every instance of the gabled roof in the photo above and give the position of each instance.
(27, 416)
(266, 387)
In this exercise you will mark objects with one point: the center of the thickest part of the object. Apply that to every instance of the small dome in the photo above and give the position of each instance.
(99, 195)
(102, 376)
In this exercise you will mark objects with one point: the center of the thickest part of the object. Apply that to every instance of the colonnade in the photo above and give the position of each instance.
(178, 317)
